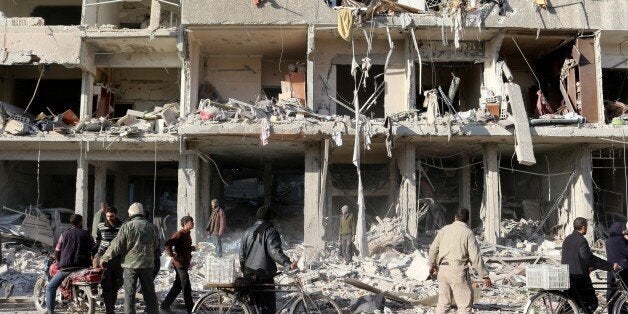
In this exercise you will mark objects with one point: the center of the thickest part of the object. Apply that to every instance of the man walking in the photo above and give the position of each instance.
(180, 248)
(136, 241)
(260, 250)
(346, 234)
(453, 249)
(577, 254)
(216, 226)
(74, 250)
(112, 277)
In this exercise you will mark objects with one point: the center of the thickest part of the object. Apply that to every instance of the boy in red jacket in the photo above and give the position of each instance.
(180, 248)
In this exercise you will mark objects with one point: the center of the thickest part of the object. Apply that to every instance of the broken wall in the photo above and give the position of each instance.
(238, 77)
(146, 88)
(107, 14)
(332, 52)
(273, 72)
(42, 44)
(440, 74)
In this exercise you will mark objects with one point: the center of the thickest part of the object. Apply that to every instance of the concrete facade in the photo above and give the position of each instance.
(230, 49)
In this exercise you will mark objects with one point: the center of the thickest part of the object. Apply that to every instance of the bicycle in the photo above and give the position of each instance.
(561, 302)
(236, 298)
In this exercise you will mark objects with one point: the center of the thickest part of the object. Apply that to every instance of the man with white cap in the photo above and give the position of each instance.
(346, 234)
(135, 242)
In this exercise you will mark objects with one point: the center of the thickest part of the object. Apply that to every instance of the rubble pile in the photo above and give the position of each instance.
(22, 267)
(16, 121)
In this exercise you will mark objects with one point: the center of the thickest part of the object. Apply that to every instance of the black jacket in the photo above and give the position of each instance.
(577, 254)
(261, 249)
(616, 245)
(76, 248)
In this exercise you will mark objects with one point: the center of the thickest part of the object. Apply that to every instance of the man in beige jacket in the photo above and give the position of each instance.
(453, 248)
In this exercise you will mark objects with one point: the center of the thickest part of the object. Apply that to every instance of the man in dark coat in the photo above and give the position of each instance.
(73, 251)
(616, 252)
(577, 254)
(259, 252)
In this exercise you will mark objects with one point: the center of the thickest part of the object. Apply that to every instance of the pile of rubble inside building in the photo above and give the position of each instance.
(16, 121)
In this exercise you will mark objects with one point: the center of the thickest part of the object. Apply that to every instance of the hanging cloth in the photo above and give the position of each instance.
(345, 20)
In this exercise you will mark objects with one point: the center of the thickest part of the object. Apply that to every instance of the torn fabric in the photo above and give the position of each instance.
(345, 20)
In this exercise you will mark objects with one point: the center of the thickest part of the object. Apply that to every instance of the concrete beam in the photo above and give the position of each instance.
(132, 155)
(138, 60)
(523, 146)
(46, 155)
(187, 193)
(312, 217)
(491, 206)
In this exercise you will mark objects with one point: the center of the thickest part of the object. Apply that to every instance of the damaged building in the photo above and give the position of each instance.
(403, 110)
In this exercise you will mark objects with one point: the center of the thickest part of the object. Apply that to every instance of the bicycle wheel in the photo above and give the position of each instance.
(220, 302)
(550, 302)
(315, 303)
(621, 305)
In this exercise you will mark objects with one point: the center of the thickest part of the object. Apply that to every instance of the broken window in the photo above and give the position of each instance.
(459, 81)
(367, 92)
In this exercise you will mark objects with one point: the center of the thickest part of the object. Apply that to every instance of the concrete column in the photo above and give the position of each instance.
(155, 14)
(82, 193)
(464, 187)
(100, 184)
(87, 93)
(268, 182)
(312, 217)
(4, 183)
(202, 215)
(121, 194)
(491, 207)
(195, 70)
(407, 190)
(492, 78)
(187, 193)
(582, 190)
(310, 67)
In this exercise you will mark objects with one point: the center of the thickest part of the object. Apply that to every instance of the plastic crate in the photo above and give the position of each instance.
(219, 270)
(548, 277)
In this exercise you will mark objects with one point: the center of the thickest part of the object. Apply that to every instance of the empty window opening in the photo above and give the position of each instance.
(345, 85)
(58, 15)
(464, 94)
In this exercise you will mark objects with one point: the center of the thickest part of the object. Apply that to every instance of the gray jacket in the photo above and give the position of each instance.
(259, 251)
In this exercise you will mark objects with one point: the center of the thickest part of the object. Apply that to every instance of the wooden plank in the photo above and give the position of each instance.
(523, 147)
(588, 80)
